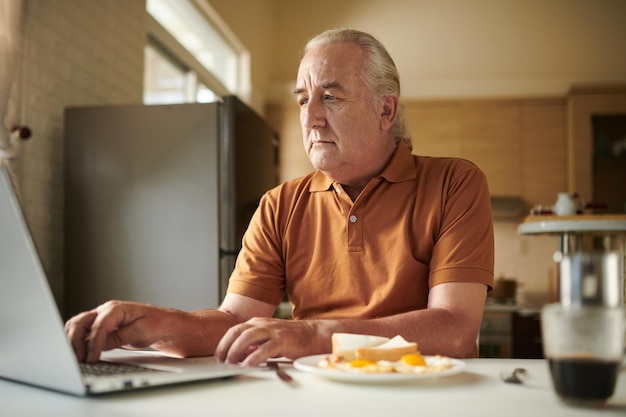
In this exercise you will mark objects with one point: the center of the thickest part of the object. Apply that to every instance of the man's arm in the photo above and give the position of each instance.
(449, 326)
(133, 325)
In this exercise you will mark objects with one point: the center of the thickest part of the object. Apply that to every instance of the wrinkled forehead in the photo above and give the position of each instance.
(331, 63)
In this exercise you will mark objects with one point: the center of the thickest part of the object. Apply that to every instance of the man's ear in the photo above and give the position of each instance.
(388, 108)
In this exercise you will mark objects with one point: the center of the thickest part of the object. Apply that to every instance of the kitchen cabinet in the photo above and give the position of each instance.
(508, 331)
(527, 335)
(496, 334)
(486, 133)
(518, 143)
(543, 151)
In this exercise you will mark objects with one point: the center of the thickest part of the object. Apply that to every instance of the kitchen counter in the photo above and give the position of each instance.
(477, 391)
(501, 308)
(512, 308)
(533, 225)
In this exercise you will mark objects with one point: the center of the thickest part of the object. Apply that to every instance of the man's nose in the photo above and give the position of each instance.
(312, 115)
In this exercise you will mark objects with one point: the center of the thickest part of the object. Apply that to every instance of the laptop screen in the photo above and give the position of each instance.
(33, 345)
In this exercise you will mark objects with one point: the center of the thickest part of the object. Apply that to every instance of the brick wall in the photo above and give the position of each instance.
(74, 53)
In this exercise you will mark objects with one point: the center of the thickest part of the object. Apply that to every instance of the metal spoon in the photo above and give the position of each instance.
(518, 376)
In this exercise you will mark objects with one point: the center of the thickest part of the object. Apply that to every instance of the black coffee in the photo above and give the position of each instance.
(584, 379)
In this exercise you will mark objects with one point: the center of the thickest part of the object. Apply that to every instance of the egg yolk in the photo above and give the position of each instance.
(413, 359)
(360, 363)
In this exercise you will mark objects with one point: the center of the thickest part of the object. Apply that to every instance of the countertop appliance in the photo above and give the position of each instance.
(157, 199)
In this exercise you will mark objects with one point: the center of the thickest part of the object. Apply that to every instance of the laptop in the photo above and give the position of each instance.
(34, 348)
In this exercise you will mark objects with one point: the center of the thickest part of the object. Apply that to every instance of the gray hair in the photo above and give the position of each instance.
(381, 74)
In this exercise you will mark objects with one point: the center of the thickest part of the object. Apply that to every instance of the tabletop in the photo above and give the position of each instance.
(477, 391)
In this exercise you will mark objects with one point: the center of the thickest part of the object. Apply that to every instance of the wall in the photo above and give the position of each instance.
(461, 49)
(74, 53)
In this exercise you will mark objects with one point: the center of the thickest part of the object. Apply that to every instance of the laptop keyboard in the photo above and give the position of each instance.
(111, 369)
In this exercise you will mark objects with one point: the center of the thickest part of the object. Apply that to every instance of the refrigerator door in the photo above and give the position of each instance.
(142, 205)
(249, 168)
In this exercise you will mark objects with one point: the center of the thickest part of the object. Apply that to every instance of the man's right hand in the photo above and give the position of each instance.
(116, 324)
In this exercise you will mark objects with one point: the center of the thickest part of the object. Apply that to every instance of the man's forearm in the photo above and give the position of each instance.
(436, 330)
(196, 333)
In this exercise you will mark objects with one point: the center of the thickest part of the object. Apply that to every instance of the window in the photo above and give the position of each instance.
(164, 80)
(191, 55)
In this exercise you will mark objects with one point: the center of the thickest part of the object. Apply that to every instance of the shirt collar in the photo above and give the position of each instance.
(401, 167)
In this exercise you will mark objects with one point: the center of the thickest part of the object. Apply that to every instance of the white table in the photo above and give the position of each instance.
(477, 391)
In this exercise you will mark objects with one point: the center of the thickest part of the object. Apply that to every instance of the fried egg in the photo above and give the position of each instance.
(409, 363)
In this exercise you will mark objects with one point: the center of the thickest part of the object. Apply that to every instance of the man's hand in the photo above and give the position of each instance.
(115, 324)
(258, 339)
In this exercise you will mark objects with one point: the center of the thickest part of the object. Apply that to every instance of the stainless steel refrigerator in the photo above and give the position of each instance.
(157, 199)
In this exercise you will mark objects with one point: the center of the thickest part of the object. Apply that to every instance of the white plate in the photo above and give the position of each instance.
(309, 364)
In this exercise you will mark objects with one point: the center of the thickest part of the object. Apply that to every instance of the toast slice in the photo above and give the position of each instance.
(392, 350)
(345, 345)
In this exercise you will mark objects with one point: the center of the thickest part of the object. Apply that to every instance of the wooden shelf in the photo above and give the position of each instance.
(580, 223)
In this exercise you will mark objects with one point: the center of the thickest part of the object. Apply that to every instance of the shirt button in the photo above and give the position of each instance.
(353, 219)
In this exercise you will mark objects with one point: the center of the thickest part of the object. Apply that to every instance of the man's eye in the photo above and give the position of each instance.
(329, 97)
(303, 101)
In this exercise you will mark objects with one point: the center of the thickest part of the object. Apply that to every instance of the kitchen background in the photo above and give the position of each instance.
(509, 84)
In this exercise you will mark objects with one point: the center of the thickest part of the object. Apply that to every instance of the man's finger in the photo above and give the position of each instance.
(77, 330)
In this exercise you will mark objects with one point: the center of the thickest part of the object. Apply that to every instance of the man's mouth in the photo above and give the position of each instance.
(321, 142)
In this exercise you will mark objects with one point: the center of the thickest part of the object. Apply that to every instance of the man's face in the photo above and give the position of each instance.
(341, 128)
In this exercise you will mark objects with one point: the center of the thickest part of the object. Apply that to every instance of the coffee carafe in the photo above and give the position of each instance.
(591, 268)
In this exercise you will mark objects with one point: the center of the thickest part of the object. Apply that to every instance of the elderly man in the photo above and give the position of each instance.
(376, 240)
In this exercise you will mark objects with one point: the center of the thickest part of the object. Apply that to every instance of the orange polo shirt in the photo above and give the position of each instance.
(421, 222)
